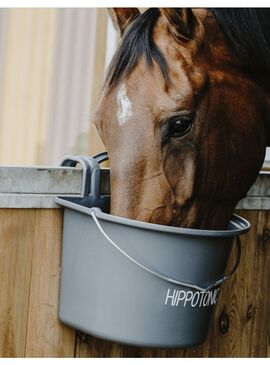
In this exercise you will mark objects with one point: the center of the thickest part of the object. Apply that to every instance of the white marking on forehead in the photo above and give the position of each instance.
(124, 112)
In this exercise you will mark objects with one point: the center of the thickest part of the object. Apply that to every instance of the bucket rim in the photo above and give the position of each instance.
(239, 224)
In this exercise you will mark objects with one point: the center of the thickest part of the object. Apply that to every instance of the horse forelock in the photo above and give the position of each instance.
(137, 42)
(246, 31)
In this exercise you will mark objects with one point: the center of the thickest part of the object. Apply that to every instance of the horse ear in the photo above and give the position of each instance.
(181, 21)
(122, 17)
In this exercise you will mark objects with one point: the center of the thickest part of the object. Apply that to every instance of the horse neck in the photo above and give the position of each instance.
(261, 78)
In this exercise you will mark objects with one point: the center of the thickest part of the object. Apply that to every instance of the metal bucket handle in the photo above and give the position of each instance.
(161, 276)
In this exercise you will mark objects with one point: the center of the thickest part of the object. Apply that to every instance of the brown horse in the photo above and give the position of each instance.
(184, 113)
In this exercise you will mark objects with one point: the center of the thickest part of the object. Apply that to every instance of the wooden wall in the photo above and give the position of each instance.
(30, 247)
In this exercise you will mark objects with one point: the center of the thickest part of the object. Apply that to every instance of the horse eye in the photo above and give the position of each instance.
(179, 126)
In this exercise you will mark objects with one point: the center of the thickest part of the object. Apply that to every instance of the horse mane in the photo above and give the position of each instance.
(137, 42)
(247, 31)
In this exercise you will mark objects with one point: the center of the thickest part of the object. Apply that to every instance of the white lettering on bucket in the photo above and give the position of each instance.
(206, 299)
(195, 299)
(188, 297)
(199, 299)
(181, 296)
(172, 297)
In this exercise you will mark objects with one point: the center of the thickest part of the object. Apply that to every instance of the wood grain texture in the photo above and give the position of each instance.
(16, 247)
(46, 337)
(30, 248)
(89, 346)
(240, 326)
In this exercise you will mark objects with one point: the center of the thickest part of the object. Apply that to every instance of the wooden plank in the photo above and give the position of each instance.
(30, 247)
(230, 329)
(46, 336)
(240, 326)
(16, 247)
(131, 351)
(89, 346)
(30, 259)
(260, 306)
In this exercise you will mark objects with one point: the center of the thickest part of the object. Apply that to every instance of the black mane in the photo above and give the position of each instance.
(247, 31)
(137, 42)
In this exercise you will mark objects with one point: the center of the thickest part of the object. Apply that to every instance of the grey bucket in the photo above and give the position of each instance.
(139, 283)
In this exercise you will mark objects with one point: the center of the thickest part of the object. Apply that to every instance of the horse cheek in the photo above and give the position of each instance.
(180, 171)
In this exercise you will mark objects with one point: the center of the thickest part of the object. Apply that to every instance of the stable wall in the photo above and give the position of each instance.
(30, 263)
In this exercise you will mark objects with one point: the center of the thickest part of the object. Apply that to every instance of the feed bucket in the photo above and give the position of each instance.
(139, 283)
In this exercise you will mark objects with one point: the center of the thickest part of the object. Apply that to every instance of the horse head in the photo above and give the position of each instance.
(184, 115)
